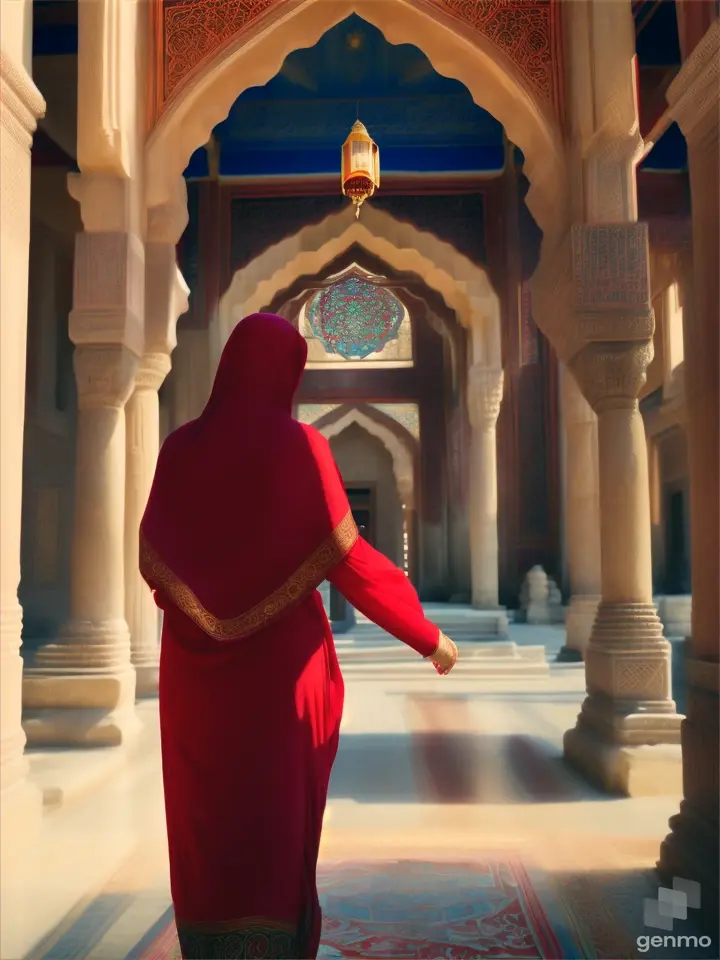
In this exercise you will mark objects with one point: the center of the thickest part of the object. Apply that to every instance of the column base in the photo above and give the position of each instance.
(79, 708)
(81, 691)
(21, 812)
(691, 851)
(579, 620)
(643, 759)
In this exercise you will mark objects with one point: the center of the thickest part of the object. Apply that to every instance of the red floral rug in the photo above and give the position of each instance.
(484, 910)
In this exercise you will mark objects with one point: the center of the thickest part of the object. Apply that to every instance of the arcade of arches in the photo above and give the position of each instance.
(526, 368)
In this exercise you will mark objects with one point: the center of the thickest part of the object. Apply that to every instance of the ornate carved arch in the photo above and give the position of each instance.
(463, 285)
(396, 440)
(462, 41)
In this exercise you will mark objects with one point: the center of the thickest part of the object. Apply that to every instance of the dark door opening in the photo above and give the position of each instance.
(677, 568)
(362, 504)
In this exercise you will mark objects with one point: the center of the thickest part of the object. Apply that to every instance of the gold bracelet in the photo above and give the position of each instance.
(447, 649)
(432, 655)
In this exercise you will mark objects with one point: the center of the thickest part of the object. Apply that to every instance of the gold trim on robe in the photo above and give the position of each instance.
(307, 577)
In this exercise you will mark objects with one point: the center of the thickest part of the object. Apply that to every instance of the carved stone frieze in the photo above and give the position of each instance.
(108, 303)
(484, 396)
(611, 281)
(105, 375)
(189, 33)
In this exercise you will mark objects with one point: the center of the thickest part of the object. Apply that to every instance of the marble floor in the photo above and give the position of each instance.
(430, 768)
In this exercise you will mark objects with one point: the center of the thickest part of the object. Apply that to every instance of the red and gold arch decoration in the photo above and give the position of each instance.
(187, 34)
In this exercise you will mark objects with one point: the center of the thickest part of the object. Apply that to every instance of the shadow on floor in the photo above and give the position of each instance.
(454, 768)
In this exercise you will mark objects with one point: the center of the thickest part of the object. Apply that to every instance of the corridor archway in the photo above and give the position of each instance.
(463, 285)
(400, 445)
(257, 54)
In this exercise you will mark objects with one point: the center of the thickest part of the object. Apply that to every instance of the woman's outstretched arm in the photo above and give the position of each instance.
(382, 592)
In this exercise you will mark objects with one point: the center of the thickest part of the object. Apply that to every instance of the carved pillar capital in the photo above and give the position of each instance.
(484, 396)
(612, 375)
(612, 311)
(105, 375)
(151, 371)
(693, 94)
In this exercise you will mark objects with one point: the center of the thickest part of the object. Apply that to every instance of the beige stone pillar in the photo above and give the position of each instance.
(81, 690)
(691, 849)
(20, 106)
(582, 513)
(485, 387)
(142, 448)
(627, 733)
(166, 297)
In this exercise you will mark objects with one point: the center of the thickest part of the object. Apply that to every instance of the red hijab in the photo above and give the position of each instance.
(247, 512)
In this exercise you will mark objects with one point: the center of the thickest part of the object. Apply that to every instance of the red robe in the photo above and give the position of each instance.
(246, 517)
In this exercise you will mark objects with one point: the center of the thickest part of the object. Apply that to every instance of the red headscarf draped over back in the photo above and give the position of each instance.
(247, 512)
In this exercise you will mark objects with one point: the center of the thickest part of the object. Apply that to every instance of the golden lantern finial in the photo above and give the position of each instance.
(360, 166)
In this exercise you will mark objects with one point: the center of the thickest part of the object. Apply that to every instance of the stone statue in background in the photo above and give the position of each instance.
(540, 599)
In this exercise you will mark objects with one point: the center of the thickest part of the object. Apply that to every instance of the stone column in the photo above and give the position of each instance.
(81, 690)
(142, 448)
(582, 506)
(691, 849)
(627, 733)
(485, 388)
(20, 105)
(166, 297)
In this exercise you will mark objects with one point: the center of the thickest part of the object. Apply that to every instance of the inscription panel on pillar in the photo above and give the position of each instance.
(109, 290)
(611, 281)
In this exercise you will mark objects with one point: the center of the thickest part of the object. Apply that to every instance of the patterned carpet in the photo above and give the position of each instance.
(481, 909)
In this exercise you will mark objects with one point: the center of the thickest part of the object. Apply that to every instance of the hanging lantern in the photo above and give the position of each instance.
(360, 166)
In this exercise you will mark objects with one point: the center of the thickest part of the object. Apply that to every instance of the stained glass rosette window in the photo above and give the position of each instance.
(355, 318)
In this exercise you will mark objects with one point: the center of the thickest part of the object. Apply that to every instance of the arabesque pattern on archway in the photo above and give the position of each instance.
(257, 54)
(187, 34)
(463, 285)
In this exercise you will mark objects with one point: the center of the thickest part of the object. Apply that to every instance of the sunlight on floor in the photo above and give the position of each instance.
(437, 770)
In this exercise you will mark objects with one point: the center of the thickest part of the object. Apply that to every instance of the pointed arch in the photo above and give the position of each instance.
(402, 450)
(493, 80)
(464, 286)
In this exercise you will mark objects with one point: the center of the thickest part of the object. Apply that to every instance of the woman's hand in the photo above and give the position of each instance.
(445, 657)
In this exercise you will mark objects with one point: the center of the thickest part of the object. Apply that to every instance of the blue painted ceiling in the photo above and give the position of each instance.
(297, 122)
(423, 122)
